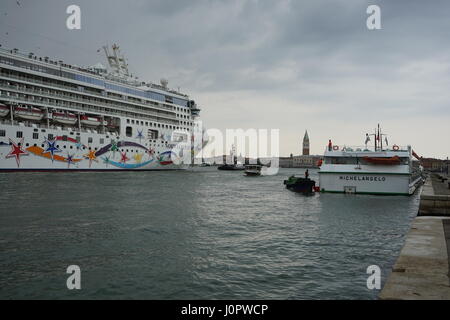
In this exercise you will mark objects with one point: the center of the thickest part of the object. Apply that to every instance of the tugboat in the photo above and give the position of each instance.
(303, 185)
(253, 170)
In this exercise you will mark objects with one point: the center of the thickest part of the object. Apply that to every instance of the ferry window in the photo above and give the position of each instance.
(2, 133)
(64, 138)
(50, 136)
(132, 121)
(90, 140)
(146, 123)
(19, 134)
(129, 131)
(78, 139)
(142, 123)
(102, 141)
(128, 120)
(35, 135)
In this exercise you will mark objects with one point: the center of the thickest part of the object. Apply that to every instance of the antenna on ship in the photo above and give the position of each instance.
(117, 61)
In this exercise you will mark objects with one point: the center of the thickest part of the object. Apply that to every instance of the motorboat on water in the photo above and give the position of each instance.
(298, 184)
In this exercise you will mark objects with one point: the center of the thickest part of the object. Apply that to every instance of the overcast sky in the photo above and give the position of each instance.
(288, 65)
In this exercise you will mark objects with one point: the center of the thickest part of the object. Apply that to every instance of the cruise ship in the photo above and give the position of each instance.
(382, 170)
(58, 116)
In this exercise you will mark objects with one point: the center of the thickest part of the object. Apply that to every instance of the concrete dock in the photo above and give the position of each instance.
(435, 197)
(422, 268)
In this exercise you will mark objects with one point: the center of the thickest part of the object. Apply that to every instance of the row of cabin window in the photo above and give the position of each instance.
(19, 134)
(159, 125)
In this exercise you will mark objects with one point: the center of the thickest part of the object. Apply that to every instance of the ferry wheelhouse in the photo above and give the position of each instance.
(57, 116)
(383, 170)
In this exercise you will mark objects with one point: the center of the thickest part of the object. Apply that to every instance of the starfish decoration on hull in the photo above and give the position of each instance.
(138, 157)
(114, 147)
(106, 160)
(124, 158)
(51, 148)
(16, 151)
(140, 135)
(91, 156)
(69, 160)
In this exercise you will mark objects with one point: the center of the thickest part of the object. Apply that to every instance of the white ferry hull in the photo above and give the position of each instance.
(365, 183)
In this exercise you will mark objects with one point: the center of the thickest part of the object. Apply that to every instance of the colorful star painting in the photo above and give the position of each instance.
(124, 158)
(51, 148)
(69, 159)
(16, 151)
(138, 157)
(106, 160)
(140, 135)
(114, 147)
(91, 156)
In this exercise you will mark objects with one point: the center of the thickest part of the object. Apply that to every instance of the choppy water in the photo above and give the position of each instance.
(192, 235)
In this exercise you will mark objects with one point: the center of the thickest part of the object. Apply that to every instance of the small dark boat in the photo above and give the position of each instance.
(230, 167)
(303, 185)
(253, 169)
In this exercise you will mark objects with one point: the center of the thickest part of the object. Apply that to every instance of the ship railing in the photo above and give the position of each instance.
(86, 108)
(75, 99)
(54, 127)
(76, 90)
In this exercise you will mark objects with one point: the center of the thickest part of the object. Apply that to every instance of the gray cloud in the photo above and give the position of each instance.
(292, 65)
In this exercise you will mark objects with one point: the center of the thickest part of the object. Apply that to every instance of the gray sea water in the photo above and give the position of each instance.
(202, 234)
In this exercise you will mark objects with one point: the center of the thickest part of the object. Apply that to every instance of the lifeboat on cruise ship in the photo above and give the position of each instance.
(384, 161)
(64, 117)
(4, 110)
(90, 121)
(29, 113)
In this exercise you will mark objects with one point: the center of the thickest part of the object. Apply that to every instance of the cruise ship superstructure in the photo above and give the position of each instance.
(57, 116)
(382, 170)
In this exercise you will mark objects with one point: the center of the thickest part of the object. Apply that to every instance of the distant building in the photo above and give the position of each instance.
(306, 161)
(285, 162)
(306, 144)
(434, 165)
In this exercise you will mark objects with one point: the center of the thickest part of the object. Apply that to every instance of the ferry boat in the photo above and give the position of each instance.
(57, 116)
(383, 170)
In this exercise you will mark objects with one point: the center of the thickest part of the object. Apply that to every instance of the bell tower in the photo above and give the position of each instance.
(306, 144)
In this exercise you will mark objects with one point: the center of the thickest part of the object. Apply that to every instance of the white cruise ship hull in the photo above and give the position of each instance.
(35, 151)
